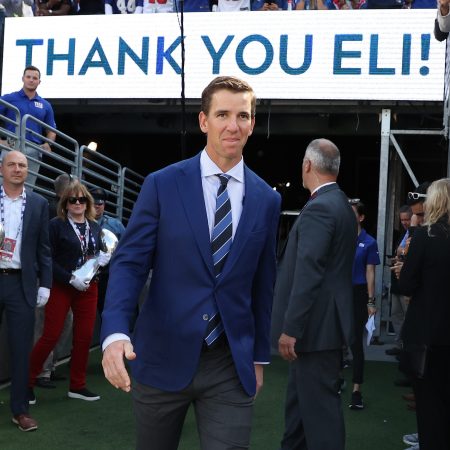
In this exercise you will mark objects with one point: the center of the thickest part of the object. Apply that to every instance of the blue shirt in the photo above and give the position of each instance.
(194, 6)
(366, 253)
(403, 242)
(37, 107)
(112, 224)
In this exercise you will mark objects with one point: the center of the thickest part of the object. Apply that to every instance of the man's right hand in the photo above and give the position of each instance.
(114, 366)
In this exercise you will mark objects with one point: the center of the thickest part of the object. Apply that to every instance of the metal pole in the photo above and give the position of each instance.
(382, 207)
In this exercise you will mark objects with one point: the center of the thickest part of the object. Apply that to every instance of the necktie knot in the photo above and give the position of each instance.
(223, 181)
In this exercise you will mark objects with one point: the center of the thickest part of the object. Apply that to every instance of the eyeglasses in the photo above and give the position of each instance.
(99, 202)
(81, 200)
(354, 201)
(416, 195)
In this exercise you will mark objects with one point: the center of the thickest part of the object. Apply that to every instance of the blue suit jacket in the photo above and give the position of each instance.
(168, 232)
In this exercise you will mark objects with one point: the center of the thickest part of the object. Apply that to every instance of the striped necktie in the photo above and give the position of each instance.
(220, 244)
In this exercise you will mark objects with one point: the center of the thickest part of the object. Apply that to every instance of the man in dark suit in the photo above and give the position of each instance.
(313, 313)
(25, 264)
(202, 335)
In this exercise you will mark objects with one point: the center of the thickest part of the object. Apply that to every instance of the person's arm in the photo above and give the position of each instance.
(443, 15)
(129, 270)
(409, 279)
(314, 234)
(263, 284)
(44, 255)
(370, 278)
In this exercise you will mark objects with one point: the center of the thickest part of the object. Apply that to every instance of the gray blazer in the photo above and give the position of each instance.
(313, 291)
(35, 254)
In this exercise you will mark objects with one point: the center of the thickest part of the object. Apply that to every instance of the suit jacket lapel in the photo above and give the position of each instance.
(190, 188)
(27, 215)
(246, 222)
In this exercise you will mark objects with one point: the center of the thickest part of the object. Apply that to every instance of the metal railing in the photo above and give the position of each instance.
(94, 169)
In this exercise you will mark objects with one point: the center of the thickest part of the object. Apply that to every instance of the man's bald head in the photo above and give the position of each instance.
(14, 155)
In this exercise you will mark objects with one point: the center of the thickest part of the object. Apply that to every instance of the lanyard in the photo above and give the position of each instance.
(2, 210)
(84, 239)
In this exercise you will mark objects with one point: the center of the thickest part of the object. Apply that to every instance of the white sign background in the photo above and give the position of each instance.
(372, 42)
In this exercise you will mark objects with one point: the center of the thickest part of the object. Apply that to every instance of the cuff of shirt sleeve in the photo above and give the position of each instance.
(113, 338)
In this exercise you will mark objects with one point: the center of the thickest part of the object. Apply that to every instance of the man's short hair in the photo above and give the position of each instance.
(422, 190)
(405, 209)
(34, 68)
(324, 156)
(227, 83)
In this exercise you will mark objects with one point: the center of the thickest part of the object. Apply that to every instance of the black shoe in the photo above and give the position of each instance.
(83, 394)
(31, 397)
(404, 382)
(357, 401)
(394, 351)
(55, 377)
(45, 383)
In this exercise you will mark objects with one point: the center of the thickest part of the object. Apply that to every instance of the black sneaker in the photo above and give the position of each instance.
(31, 397)
(357, 401)
(45, 383)
(83, 394)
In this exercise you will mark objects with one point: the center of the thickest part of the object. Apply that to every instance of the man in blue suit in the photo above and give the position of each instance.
(206, 227)
(25, 264)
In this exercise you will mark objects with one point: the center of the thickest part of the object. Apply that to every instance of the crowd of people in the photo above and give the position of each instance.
(65, 7)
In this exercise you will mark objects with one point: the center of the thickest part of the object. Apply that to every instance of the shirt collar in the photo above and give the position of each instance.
(209, 168)
(321, 186)
(36, 96)
(362, 235)
(21, 195)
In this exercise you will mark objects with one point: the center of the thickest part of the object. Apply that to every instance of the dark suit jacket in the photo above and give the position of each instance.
(168, 232)
(35, 255)
(426, 277)
(313, 292)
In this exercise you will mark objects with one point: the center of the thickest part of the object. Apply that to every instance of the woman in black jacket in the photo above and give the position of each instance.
(425, 277)
(74, 238)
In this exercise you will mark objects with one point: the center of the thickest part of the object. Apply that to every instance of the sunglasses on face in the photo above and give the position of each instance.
(354, 201)
(99, 202)
(80, 200)
(416, 195)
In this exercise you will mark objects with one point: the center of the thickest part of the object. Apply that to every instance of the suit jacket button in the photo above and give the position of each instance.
(205, 317)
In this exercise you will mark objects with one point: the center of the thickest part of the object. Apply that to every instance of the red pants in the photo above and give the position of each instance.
(84, 309)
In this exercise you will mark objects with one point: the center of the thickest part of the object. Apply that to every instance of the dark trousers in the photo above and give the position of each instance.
(313, 412)
(20, 321)
(223, 409)
(360, 319)
(84, 309)
(433, 401)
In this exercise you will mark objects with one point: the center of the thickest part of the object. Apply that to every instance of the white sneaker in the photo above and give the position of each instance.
(411, 439)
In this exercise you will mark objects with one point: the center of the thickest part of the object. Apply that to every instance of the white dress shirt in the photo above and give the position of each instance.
(12, 220)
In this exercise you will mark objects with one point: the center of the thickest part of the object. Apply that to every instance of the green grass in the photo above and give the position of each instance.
(66, 424)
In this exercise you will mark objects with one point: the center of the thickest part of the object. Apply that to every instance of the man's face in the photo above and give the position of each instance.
(99, 206)
(405, 219)
(31, 80)
(14, 168)
(227, 125)
(417, 209)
